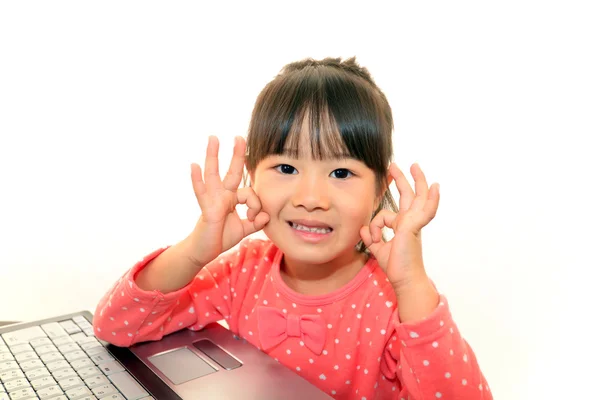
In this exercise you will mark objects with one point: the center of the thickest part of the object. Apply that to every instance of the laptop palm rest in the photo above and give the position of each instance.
(214, 363)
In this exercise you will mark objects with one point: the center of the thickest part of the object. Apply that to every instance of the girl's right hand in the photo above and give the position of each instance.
(220, 228)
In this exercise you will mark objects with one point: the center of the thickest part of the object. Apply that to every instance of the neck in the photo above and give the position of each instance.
(319, 279)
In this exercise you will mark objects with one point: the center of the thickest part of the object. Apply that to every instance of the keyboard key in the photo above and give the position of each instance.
(43, 382)
(71, 382)
(97, 380)
(52, 357)
(87, 339)
(114, 396)
(6, 357)
(8, 365)
(95, 350)
(78, 319)
(65, 348)
(88, 372)
(10, 375)
(69, 326)
(16, 384)
(22, 394)
(31, 364)
(54, 330)
(104, 390)
(59, 341)
(110, 367)
(78, 337)
(127, 385)
(26, 356)
(74, 355)
(4, 349)
(78, 392)
(84, 325)
(91, 344)
(56, 365)
(40, 342)
(46, 348)
(4, 396)
(21, 348)
(22, 336)
(63, 373)
(37, 373)
(101, 358)
(49, 391)
(82, 363)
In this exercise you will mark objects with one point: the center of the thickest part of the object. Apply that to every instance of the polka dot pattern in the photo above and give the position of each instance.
(367, 349)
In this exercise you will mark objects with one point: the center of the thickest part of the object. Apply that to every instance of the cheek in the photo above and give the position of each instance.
(357, 209)
(270, 199)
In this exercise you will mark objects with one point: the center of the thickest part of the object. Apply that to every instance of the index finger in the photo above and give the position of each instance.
(236, 167)
(406, 192)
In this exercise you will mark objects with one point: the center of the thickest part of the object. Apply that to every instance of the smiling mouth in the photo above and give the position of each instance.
(303, 228)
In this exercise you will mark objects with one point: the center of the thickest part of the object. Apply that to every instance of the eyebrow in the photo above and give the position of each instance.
(335, 156)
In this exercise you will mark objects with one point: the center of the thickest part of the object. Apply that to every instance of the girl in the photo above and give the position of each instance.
(326, 295)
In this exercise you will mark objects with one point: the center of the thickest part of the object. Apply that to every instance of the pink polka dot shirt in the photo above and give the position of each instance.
(350, 343)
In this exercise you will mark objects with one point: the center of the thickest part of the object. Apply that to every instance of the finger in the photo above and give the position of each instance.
(406, 193)
(236, 167)
(433, 201)
(382, 219)
(365, 235)
(259, 223)
(421, 187)
(211, 164)
(198, 183)
(248, 197)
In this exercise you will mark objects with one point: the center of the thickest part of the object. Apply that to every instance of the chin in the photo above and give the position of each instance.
(309, 256)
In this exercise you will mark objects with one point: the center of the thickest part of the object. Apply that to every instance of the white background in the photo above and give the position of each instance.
(104, 105)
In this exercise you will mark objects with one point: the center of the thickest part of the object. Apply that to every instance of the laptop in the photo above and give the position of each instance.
(60, 359)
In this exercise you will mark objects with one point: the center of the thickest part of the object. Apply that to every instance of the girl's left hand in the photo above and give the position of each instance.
(401, 258)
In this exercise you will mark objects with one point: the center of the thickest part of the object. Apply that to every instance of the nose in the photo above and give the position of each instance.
(311, 193)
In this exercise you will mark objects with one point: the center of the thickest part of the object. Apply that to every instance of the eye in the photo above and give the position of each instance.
(286, 169)
(341, 173)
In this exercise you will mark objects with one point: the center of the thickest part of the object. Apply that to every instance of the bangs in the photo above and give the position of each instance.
(343, 114)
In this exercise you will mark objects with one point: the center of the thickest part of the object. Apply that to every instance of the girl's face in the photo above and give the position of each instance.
(316, 208)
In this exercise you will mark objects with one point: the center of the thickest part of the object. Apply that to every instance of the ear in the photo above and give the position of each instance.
(389, 178)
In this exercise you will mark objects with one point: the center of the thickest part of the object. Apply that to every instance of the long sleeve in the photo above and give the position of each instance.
(429, 359)
(127, 314)
(367, 353)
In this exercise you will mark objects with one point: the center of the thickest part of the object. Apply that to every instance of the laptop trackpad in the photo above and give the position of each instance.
(181, 365)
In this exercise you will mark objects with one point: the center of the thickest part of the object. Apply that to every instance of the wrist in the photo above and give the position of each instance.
(411, 282)
(186, 249)
(416, 300)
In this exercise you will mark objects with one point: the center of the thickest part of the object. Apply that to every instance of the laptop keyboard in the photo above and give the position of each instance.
(62, 361)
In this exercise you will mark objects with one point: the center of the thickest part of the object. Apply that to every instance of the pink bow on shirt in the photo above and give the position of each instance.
(274, 327)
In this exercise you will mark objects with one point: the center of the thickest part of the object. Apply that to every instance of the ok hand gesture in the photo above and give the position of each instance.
(401, 258)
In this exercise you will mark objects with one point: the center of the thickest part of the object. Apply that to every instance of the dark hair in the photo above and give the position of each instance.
(346, 111)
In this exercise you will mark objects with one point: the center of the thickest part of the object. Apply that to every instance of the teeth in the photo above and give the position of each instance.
(313, 230)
